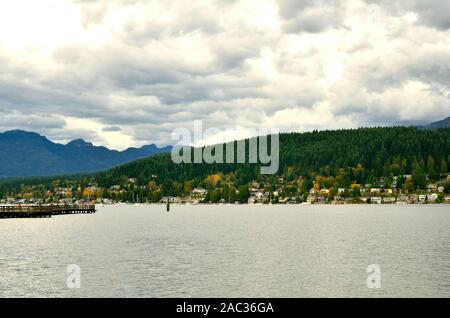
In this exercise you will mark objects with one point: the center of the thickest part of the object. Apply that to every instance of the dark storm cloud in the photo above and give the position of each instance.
(111, 129)
(434, 13)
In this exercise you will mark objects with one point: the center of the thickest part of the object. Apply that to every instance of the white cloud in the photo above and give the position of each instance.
(72, 68)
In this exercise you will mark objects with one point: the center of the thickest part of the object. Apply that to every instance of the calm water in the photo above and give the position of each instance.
(230, 251)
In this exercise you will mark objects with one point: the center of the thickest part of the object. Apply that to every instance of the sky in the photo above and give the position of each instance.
(123, 73)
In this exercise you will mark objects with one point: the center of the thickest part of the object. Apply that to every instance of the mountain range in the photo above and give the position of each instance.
(25, 153)
(445, 123)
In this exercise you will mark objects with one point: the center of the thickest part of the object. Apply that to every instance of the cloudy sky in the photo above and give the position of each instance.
(127, 72)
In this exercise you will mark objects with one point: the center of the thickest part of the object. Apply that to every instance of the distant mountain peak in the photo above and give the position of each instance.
(24, 153)
(445, 123)
(21, 133)
(80, 143)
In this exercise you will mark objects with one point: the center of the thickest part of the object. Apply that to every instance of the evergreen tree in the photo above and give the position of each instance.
(431, 165)
(419, 177)
(444, 167)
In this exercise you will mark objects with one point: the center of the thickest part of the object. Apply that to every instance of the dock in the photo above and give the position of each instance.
(43, 211)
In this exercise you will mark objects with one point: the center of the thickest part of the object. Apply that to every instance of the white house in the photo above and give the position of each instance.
(432, 197)
(376, 200)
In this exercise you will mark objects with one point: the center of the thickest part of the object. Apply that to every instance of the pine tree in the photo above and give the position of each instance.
(431, 165)
(418, 176)
(444, 167)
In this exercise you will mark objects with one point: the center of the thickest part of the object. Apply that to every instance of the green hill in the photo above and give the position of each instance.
(380, 151)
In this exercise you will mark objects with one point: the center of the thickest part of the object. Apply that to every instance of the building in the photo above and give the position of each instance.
(431, 187)
(198, 193)
(388, 200)
(376, 200)
(422, 198)
(311, 199)
(432, 198)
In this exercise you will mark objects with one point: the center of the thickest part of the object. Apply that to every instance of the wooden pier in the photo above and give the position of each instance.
(42, 211)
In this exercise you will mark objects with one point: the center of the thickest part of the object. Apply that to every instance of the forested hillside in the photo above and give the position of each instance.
(372, 152)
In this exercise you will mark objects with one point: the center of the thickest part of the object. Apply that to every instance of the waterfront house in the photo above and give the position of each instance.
(422, 198)
(431, 187)
(376, 200)
(389, 200)
(198, 193)
(432, 198)
(402, 199)
(414, 198)
(311, 199)
(321, 200)
(441, 189)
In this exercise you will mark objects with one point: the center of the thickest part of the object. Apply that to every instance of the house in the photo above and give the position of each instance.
(422, 198)
(447, 198)
(65, 201)
(321, 200)
(283, 200)
(402, 199)
(363, 191)
(259, 197)
(413, 199)
(341, 190)
(375, 190)
(364, 199)
(431, 187)
(388, 200)
(199, 191)
(376, 200)
(325, 191)
(441, 189)
(432, 198)
(311, 199)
